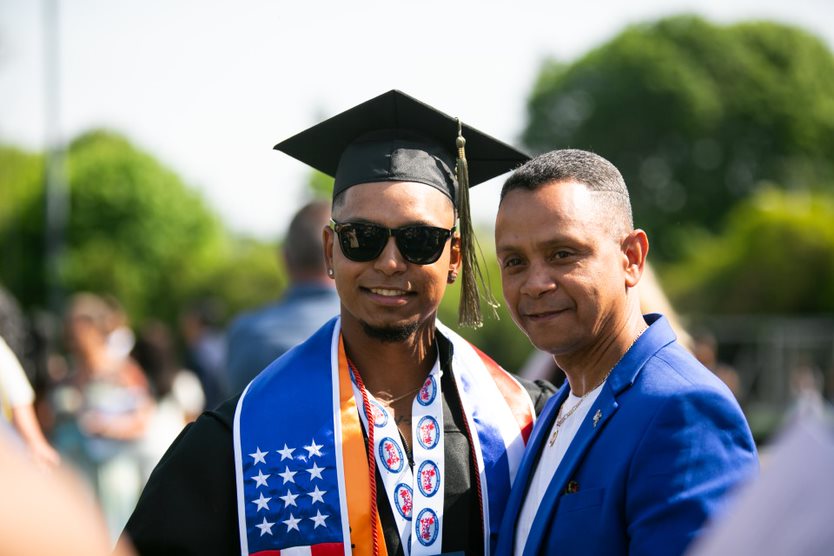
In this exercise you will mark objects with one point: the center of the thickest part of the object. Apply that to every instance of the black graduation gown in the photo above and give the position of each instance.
(189, 505)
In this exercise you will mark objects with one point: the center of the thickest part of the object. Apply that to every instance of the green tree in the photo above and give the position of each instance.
(20, 174)
(21, 222)
(776, 255)
(320, 185)
(135, 231)
(694, 115)
(250, 276)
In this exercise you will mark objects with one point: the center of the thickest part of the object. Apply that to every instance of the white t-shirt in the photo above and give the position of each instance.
(549, 461)
(15, 389)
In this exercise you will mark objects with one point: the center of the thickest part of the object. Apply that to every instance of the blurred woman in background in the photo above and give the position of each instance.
(101, 409)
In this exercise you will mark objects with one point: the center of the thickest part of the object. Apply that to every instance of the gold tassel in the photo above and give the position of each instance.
(469, 311)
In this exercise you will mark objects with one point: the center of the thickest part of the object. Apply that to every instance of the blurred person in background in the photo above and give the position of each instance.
(205, 348)
(177, 391)
(705, 350)
(17, 406)
(654, 300)
(120, 337)
(805, 380)
(16, 394)
(14, 328)
(47, 512)
(256, 339)
(101, 409)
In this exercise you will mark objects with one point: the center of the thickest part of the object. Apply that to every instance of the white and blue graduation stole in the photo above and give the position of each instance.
(297, 435)
(416, 496)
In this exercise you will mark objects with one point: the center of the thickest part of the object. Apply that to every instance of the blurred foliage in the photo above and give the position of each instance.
(695, 116)
(320, 185)
(21, 223)
(134, 228)
(250, 276)
(135, 231)
(20, 174)
(775, 256)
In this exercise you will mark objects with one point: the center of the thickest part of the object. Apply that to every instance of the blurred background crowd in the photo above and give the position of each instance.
(123, 288)
(89, 389)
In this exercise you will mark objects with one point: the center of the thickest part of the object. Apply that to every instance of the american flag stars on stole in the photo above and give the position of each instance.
(301, 495)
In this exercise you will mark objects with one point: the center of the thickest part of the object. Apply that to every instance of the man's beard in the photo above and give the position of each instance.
(390, 334)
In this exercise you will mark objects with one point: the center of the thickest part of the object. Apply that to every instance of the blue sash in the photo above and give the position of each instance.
(289, 456)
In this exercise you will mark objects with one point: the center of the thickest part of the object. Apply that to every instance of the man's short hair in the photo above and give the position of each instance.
(590, 169)
(303, 244)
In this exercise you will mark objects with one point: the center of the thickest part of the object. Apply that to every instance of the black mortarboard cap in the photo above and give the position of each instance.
(395, 137)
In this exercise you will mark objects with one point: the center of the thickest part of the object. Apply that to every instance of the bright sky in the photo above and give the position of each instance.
(208, 87)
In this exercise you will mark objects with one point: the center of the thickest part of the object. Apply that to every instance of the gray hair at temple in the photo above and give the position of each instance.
(590, 169)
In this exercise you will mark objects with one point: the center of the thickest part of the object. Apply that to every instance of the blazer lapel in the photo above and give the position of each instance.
(506, 539)
(604, 407)
(622, 377)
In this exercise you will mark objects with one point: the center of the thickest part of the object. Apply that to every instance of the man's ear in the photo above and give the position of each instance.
(635, 248)
(455, 254)
(327, 238)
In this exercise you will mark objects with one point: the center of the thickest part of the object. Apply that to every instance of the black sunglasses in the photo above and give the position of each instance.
(363, 242)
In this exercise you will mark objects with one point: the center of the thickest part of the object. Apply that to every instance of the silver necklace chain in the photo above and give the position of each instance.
(398, 398)
(560, 419)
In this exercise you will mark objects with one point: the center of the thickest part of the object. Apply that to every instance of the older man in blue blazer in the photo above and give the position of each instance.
(642, 445)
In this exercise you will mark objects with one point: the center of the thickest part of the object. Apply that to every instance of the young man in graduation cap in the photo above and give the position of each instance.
(292, 466)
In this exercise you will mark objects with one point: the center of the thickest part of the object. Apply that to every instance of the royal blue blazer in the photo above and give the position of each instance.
(660, 450)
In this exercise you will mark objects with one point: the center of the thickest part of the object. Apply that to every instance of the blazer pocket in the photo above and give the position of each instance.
(582, 499)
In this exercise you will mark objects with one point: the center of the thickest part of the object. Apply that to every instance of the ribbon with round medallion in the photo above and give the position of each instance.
(390, 455)
(404, 496)
(411, 493)
(428, 432)
(428, 478)
(427, 527)
(428, 392)
(380, 415)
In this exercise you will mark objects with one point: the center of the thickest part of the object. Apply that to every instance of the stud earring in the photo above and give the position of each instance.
(452, 277)
(330, 272)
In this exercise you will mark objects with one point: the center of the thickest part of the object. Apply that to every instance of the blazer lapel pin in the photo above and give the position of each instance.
(597, 417)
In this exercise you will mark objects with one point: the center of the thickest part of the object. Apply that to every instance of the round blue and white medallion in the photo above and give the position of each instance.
(427, 527)
(379, 413)
(428, 432)
(391, 455)
(428, 392)
(428, 478)
(404, 497)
